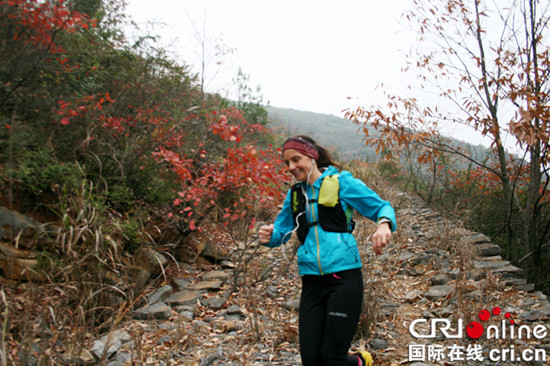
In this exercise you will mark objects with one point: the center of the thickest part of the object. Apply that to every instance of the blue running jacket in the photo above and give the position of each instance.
(326, 252)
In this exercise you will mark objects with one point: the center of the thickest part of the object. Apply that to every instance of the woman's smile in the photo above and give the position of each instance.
(301, 166)
(297, 173)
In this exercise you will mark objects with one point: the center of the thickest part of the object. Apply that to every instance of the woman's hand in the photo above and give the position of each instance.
(381, 237)
(264, 233)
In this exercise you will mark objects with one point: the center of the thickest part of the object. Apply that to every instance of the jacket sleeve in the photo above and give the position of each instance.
(283, 226)
(355, 193)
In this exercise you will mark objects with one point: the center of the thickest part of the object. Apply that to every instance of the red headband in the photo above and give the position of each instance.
(303, 146)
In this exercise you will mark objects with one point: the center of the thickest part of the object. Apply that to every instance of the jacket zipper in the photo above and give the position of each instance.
(312, 208)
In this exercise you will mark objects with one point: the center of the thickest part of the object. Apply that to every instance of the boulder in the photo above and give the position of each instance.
(20, 265)
(214, 255)
(150, 260)
(15, 227)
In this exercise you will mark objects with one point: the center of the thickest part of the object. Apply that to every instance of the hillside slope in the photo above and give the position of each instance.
(336, 133)
(344, 138)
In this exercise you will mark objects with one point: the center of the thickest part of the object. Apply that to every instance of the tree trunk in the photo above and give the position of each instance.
(532, 208)
(494, 129)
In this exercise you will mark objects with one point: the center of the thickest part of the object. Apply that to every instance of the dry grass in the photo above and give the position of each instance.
(88, 291)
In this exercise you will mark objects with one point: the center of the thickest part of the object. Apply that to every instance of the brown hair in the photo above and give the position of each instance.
(325, 159)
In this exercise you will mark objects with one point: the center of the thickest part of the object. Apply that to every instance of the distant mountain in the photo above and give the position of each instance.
(344, 138)
(338, 134)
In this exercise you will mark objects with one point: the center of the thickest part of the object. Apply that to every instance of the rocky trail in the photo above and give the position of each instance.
(433, 270)
(243, 311)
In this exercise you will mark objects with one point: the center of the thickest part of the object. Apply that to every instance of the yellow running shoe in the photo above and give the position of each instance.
(365, 357)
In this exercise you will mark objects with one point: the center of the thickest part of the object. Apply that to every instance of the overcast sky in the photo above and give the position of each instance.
(309, 55)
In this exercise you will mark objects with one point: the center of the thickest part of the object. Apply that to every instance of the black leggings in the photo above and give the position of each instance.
(330, 307)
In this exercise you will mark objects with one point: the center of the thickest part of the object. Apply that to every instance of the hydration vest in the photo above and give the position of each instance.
(331, 215)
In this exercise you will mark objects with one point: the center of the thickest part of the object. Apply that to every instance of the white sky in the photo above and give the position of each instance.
(313, 55)
(309, 55)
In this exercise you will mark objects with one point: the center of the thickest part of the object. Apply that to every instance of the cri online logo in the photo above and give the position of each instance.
(475, 330)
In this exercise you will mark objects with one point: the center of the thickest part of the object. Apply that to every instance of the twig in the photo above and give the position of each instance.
(3, 353)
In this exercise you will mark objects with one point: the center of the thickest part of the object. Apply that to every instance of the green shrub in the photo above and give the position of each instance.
(120, 196)
(131, 235)
(38, 172)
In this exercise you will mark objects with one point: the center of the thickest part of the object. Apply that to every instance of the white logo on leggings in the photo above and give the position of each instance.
(341, 315)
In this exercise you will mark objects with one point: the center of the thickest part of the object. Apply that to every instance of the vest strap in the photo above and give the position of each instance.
(331, 218)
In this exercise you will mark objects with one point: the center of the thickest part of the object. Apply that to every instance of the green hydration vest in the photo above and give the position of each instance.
(332, 216)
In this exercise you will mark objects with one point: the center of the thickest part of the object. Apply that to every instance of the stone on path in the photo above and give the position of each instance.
(412, 295)
(488, 249)
(476, 238)
(440, 279)
(115, 340)
(184, 297)
(161, 294)
(214, 303)
(437, 292)
(216, 275)
(207, 285)
(291, 305)
(491, 264)
(159, 311)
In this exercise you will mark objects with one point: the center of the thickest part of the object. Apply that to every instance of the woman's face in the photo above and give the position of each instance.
(301, 166)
